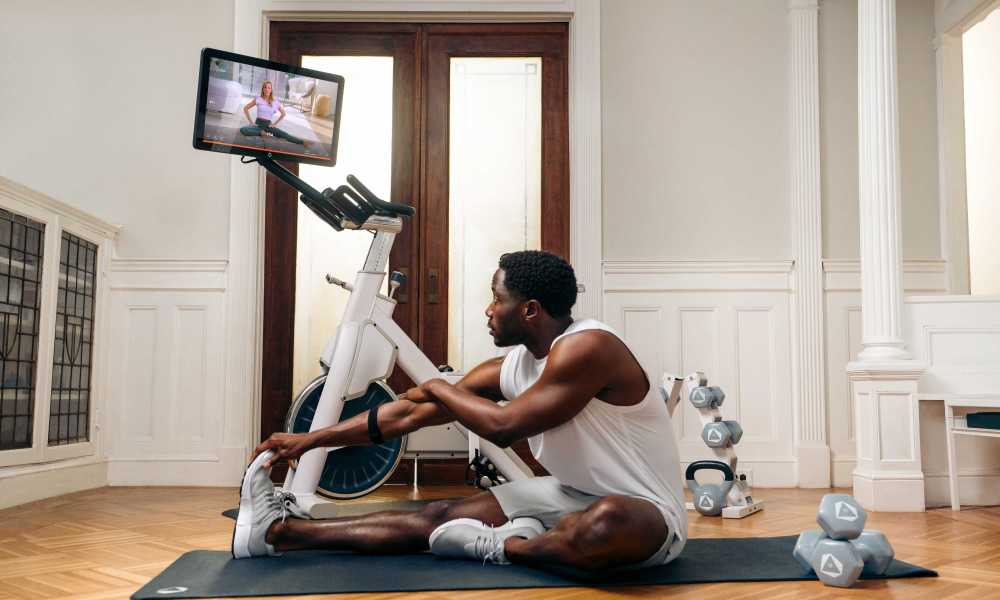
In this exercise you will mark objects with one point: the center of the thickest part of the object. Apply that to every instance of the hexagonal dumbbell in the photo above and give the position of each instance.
(875, 551)
(716, 435)
(836, 562)
(707, 396)
(841, 517)
(805, 545)
(735, 432)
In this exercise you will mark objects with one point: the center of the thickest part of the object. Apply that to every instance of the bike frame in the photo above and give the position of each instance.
(367, 346)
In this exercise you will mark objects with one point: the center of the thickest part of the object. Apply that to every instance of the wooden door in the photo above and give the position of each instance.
(291, 41)
(420, 177)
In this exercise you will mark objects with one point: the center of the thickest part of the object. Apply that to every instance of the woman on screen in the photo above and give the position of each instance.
(266, 107)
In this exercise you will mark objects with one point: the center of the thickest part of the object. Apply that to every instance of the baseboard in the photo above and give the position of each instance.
(773, 473)
(974, 489)
(37, 482)
(843, 472)
(814, 466)
(224, 469)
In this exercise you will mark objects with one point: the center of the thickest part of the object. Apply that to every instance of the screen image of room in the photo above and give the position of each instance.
(308, 103)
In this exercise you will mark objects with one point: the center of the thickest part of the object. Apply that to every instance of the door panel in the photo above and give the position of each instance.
(290, 43)
(494, 203)
(446, 46)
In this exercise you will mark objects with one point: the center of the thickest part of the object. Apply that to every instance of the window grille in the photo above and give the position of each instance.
(69, 412)
(21, 247)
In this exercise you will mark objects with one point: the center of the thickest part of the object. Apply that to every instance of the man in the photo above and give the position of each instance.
(592, 418)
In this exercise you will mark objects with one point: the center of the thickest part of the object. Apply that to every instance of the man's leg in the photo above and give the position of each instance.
(383, 532)
(615, 531)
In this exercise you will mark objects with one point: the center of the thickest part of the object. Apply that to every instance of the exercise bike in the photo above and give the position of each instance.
(360, 357)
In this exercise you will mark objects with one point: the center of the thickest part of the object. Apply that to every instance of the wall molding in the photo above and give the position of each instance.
(211, 265)
(168, 275)
(28, 483)
(696, 275)
(76, 217)
(919, 275)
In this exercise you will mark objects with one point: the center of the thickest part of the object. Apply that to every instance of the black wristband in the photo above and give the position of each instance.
(374, 434)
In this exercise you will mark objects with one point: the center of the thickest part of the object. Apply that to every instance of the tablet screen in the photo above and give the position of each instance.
(255, 107)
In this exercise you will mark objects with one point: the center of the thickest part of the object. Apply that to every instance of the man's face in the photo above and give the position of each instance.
(503, 314)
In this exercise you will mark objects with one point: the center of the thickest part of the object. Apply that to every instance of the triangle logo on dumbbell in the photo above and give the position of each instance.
(706, 503)
(831, 566)
(845, 511)
(714, 436)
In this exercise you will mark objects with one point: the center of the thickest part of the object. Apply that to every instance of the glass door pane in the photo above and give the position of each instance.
(494, 188)
(365, 151)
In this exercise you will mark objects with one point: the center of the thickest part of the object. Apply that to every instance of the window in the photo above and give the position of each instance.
(21, 246)
(50, 265)
(69, 408)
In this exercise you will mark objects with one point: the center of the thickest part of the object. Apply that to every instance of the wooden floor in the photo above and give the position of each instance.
(108, 542)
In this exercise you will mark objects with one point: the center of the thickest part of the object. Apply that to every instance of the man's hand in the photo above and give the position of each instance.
(423, 392)
(286, 447)
(417, 395)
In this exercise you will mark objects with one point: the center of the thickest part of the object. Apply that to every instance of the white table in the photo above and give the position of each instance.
(951, 402)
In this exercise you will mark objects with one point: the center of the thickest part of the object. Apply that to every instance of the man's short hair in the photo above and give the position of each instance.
(541, 276)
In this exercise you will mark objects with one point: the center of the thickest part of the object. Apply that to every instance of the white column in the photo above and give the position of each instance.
(806, 200)
(878, 132)
(888, 475)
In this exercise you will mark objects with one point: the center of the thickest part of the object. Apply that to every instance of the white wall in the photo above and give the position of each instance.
(838, 38)
(695, 129)
(98, 112)
(981, 56)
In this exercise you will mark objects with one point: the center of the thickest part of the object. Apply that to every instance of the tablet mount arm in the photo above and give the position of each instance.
(348, 206)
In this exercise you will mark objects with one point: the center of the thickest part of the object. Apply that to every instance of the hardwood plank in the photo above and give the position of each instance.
(104, 544)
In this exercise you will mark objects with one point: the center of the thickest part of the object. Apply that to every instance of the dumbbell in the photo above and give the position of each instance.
(707, 397)
(720, 434)
(710, 498)
(842, 551)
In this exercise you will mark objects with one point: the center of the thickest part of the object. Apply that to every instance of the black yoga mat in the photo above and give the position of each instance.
(214, 574)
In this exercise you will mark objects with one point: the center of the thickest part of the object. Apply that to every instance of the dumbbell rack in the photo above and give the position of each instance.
(739, 502)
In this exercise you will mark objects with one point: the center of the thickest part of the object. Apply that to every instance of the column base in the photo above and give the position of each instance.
(889, 475)
(890, 492)
(814, 466)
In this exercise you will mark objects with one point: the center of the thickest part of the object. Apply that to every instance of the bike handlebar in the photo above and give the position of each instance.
(380, 205)
(353, 202)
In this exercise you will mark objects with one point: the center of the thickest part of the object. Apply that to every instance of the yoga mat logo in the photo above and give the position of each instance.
(845, 511)
(177, 589)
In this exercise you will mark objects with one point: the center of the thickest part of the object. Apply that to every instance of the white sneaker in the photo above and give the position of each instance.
(473, 539)
(260, 505)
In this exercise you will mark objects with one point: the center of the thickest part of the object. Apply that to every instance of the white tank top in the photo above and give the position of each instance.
(608, 449)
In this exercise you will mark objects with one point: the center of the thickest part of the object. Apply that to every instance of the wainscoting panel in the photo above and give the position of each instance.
(166, 395)
(958, 337)
(730, 320)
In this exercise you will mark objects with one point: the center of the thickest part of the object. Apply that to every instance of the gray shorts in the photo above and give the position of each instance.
(548, 500)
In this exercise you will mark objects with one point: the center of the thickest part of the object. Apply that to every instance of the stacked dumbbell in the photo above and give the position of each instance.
(716, 433)
(731, 498)
(843, 550)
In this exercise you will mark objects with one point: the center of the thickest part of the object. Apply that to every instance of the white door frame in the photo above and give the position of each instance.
(252, 20)
(952, 19)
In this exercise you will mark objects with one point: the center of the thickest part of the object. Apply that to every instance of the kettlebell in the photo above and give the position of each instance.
(709, 499)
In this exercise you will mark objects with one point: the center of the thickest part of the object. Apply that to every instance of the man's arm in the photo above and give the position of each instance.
(395, 419)
(571, 378)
